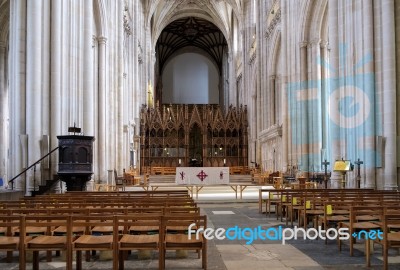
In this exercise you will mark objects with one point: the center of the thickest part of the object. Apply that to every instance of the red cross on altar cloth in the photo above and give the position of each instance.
(202, 176)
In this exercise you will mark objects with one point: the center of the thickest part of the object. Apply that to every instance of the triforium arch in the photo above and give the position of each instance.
(193, 135)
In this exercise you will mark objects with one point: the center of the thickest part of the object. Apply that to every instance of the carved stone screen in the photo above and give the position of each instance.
(193, 136)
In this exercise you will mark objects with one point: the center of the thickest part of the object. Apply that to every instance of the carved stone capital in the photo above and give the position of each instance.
(303, 44)
(324, 44)
(102, 40)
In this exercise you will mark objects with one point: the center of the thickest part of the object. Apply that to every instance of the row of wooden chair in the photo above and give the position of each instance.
(76, 198)
(353, 210)
(379, 224)
(275, 195)
(100, 206)
(85, 233)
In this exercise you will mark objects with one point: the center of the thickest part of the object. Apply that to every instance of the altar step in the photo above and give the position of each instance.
(240, 179)
(162, 179)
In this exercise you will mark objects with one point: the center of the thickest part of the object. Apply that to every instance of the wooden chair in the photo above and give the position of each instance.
(273, 199)
(334, 212)
(312, 208)
(183, 210)
(47, 242)
(271, 177)
(9, 242)
(141, 232)
(119, 181)
(178, 236)
(390, 237)
(361, 218)
(89, 242)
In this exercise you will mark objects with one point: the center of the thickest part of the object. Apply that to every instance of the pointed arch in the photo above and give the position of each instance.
(313, 12)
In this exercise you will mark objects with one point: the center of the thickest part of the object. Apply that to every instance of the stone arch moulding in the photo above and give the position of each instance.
(274, 50)
(312, 19)
(100, 17)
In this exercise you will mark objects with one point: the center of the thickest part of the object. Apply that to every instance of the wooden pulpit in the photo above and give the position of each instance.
(75, 165)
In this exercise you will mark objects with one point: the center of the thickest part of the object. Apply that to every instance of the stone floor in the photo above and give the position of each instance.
(236, 254)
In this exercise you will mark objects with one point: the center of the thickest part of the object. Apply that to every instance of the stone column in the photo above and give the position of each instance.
(272, 107)
(3, 114)
(45, 97)
(278, 94)
(33, 86)
(122, 145)
(325, 141)
(302, 111)
(388, 70)
(17, 88)
(314, 107)
(102, 118)
(334, 131)
(287, 154)
(397, 17)
(88, 92)
(88, 95)
(367, 39)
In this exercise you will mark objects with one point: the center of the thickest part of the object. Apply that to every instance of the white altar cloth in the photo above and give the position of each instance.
(202, 176)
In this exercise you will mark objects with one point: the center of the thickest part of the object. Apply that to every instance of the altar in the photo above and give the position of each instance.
(202, 176)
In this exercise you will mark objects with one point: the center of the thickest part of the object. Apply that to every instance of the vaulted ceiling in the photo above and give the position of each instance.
(191, 31)
(202, 24)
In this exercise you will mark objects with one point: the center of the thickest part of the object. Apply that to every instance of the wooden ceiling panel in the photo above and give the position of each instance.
(191, 31)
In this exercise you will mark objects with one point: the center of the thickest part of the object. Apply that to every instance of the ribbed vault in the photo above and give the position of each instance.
(191, 31)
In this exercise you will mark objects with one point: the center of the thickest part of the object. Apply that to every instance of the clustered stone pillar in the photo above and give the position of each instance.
(17, 83)
(33, 87)
(3, 112)
(366, 37)
(334, 37)
(102, 132)
(388, 71)
(88, 82)
(56, 73)
(315, 106)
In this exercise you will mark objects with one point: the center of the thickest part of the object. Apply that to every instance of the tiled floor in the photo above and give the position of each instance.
(236, 254)
(296, 254)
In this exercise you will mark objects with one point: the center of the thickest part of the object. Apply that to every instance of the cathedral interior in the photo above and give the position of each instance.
(294, 89)
(287, 85)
